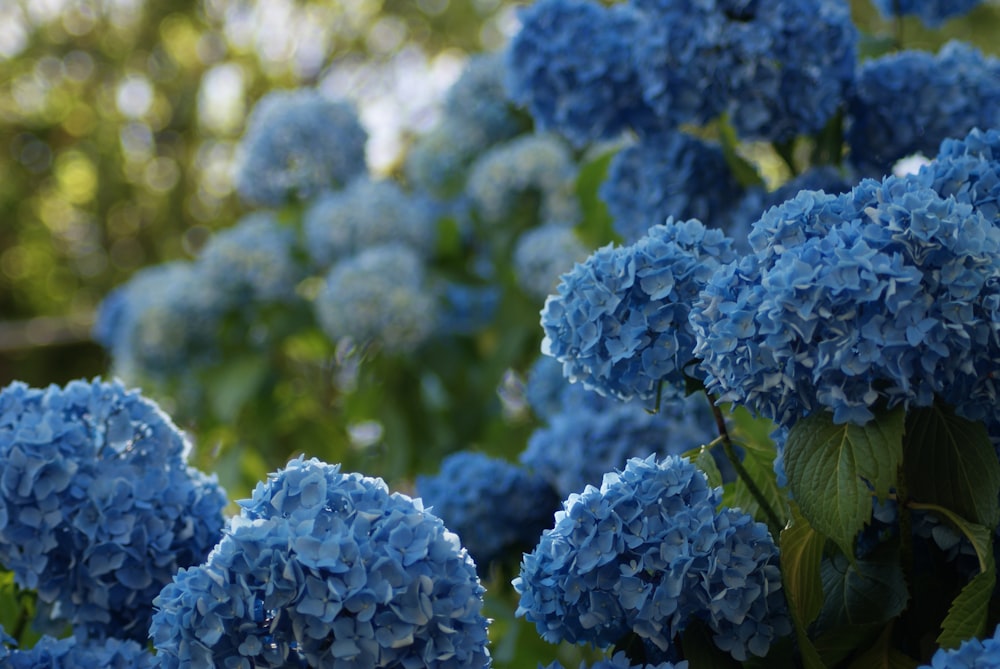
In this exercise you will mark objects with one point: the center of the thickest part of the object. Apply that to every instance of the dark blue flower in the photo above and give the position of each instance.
(379, 295)
(620, 661)
(326, 569)
(297, 144)
(933, 13)
(971, 654)
(98, 507)
(910, 101)
(619, 323)
(648, 552)
(496, 508)
(571, 66)
(671, 174)
(70, 653)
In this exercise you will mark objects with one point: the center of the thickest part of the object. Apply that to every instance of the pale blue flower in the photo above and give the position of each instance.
(971, 654)
(479, 98)
(543, 254)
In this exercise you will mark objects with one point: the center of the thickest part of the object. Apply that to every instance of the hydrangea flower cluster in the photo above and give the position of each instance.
(364, 214)
(571, 66)
(648, 552)
(69, 653)
(98, 507)
(969, 171)
(778, 69)
(531, 164)
(328, 569)
(378, 295)
(466, 308)
(619, 322)
(163, 319)
(910, 101)
(620, 661)
(297, 144)
(253, 262)
(932, 13)
(971, 654)
(669, 174)
(496, 508)
(887, 294)
(543, 254)
(588, 438)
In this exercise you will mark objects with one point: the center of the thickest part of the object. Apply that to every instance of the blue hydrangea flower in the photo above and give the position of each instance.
(982, 143)
(438, 161)
(571, 66)
(969, 171)
(367, 213)
(529, 165)
(665, 175)
(932, 13)
(910, 101)
(648, 552)
(970, 654)
(886, 294)
(778, 69)
(479, 98)
(298, 143)
(380, 296)
(326, 569)
(619, 323)
(70, 653)
(587, 438)
(254, 261)
(164, 319)
(466, 309)
(543, 254)
(620, 661)
(548, 392)
(496, 508)
(98, 507)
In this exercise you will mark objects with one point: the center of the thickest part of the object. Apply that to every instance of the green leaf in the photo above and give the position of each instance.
(950, 462)
(834, 469)
(862, 592)
(759, 464)
(967, 615)
(881, 655)
(741, 168)
(702, 458)
(234, 383)
(801, 553)
(595, 229)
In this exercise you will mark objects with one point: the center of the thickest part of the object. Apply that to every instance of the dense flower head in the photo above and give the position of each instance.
(910, 101)
(543, 254)
(884, 295)
(525, 167)
(970, 654)
(587, 438)
(669, 174)
(364, 214)
(932, 13)
(323, 568)
(479, 98)
(496, 508)
(620, 661)
(648, 552)
(571, 66)
(619, 323)
(297, 144)
(969, 171)
(98, 507)
(982, 143)
(71, 653)
(379, 295)
(254, 261)
(778, 69)
(165, 318)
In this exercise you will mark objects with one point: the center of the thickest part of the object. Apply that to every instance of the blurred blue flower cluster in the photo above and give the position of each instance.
(619, 323)
(496, 508)
(884, 295)
(323, 568)
(98, 506)
(70, 653)
(620, 661)
(932, 13)
(647, 553)
(297, 144)
(543, 254)
(668, 174)
(910, 101)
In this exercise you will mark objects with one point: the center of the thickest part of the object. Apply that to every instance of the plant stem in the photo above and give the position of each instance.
(727, 446)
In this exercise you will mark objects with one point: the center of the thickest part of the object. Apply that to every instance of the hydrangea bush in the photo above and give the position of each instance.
(766, 393)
